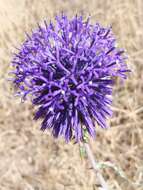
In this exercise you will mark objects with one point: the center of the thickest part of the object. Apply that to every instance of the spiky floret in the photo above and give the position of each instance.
(69, 69)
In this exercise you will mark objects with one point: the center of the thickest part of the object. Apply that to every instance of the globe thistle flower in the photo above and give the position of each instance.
(69, 69)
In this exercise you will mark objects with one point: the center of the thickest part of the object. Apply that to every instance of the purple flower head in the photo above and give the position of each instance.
(69, 69)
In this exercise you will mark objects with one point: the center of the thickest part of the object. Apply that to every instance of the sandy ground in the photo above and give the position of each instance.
(32, 160)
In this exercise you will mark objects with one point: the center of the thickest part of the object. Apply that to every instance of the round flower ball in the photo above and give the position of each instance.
(69, 69)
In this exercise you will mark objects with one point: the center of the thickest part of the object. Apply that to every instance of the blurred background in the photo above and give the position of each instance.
(33, 160)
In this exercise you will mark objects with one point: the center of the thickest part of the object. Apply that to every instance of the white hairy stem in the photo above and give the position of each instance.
(94, 165)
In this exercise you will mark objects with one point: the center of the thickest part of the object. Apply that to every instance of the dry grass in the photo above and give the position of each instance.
(31, 160)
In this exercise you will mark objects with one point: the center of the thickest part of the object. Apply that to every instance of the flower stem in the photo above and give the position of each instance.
(94, 165)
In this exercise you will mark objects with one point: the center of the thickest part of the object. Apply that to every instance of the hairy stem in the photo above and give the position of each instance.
(94, 165)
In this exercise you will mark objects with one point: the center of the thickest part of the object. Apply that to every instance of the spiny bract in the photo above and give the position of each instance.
(69, 69)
